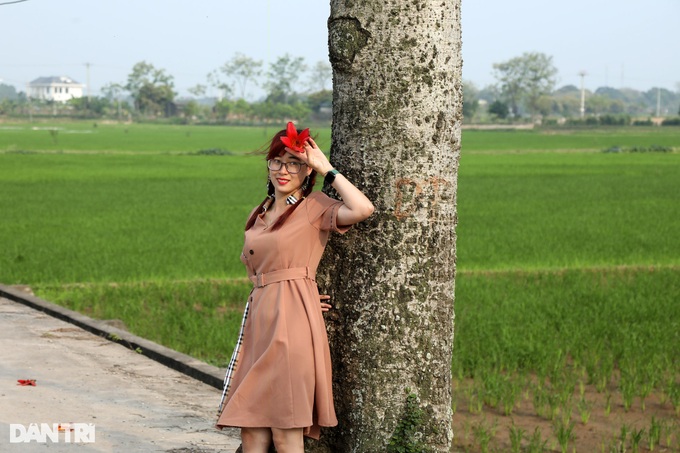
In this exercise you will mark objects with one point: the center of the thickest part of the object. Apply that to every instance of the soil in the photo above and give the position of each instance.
(600, 433)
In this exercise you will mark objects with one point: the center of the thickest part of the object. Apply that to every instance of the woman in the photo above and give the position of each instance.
(278, 386)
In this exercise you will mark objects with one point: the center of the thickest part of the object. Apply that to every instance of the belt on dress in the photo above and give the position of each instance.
(294, 273)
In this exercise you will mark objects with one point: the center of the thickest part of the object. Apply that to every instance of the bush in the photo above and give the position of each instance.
(671, 122)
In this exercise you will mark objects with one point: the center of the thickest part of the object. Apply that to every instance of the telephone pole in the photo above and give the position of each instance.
(583, 95)
(87, 65)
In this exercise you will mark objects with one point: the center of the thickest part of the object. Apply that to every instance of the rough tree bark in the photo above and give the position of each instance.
(397, 109)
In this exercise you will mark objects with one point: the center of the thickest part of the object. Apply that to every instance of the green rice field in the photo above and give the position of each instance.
(568, 286)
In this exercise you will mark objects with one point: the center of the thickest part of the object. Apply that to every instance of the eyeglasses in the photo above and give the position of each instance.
(292, 167)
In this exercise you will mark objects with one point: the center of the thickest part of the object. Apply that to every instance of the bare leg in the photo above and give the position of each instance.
(288, 440)
(256, 440)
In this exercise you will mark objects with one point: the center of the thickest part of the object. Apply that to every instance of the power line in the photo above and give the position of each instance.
(9, 3)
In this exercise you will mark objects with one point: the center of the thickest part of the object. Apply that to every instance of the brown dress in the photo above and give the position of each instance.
(282, 377)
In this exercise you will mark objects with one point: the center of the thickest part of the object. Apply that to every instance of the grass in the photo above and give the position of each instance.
(117, 138)
(537, 211)
(561, 140)
(121, 218)
(568, 262)
(198, 317)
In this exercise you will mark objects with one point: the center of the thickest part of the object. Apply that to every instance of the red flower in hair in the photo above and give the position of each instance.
(294, 141)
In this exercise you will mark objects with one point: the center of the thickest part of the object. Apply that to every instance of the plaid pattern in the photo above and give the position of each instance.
(234, 359)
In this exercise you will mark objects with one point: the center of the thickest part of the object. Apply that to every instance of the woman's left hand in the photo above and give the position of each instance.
(313, 157)
(325, 306)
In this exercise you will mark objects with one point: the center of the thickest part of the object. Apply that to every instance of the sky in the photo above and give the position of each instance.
(618, 43)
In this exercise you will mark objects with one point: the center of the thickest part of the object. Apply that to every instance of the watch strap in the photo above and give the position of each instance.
(330, 176)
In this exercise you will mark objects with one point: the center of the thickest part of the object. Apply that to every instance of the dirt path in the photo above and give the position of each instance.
(135, 404)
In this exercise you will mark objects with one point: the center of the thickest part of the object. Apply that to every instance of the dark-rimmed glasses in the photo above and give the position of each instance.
(292, 167)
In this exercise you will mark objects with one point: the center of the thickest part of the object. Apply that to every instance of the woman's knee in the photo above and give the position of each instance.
(256, 439)
(288, 440)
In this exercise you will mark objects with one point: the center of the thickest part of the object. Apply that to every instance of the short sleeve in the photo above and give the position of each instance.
(322, 212)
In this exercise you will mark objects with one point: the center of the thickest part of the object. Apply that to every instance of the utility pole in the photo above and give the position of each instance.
(87, 65)
(658, 102)
(583, 95)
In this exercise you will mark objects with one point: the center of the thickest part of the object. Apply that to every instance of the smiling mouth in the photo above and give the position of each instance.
(282, 181)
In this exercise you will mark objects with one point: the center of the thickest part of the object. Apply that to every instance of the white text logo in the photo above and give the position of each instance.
(41, 432)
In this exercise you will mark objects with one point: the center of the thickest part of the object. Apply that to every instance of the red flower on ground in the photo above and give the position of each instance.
(293, 140)
(26, 382)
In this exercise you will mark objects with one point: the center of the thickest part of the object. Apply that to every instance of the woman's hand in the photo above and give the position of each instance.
(356, 207)
(325, 306)
(313, 157)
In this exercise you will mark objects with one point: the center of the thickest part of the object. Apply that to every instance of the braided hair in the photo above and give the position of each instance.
(278, 149)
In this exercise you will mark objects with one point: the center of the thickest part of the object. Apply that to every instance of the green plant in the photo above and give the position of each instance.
(584, 409)
(564, 432)
(623, 436)
(516, 437)
(673, 392)
(483, 435)
(408, 436)
(635, 438)
(607, 404)
(536, 442)
(654, 434)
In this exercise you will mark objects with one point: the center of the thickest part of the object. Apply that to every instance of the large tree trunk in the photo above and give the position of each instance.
(397, 109)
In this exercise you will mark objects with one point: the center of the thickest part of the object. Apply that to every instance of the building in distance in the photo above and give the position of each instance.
(58, 89)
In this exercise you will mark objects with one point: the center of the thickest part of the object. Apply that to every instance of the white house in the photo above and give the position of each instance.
(58, 89)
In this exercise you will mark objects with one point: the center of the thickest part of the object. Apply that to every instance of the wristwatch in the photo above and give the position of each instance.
(330, 176)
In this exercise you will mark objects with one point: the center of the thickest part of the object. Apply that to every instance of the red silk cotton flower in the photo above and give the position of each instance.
(294, 141)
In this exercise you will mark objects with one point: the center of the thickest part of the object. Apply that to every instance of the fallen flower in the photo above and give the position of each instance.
(26, 382)
(65, 427)
(294, 141)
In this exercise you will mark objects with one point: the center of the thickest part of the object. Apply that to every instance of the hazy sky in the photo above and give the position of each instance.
(619, 43)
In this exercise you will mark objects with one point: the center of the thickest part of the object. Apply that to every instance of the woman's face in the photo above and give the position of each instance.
(286, 183)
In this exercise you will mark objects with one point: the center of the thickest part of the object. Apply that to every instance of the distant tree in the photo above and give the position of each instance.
(198, 90)
(240, 71)
(92, 107)
(499, 109)
(489, 93)
(191, 110)
(222, 108)
(524, 79)
(224, 89)
(566, 101)
(470, 99)
(8, 92)
(282, 76)
(152, 89)
(319, 99)
(113, 92)
(320, 76)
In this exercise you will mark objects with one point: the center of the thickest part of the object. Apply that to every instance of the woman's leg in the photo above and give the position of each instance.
(256, 440)
(288, 440)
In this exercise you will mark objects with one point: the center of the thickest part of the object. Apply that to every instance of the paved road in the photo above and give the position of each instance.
(135, 403)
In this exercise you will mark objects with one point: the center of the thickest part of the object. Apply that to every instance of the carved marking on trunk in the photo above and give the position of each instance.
(410, 191)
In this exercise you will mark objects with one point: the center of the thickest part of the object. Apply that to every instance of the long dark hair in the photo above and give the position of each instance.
(278, 149)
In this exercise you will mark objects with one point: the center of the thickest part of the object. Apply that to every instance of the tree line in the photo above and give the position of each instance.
(525, 89)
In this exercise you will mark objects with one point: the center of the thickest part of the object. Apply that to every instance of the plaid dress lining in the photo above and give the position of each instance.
(234, 360)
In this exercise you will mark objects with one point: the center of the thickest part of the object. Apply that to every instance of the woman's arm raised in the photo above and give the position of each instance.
(356, 206)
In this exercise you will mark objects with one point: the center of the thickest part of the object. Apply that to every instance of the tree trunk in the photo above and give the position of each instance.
(397, 110)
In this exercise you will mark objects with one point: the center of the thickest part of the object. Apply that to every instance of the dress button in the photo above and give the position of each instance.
(251, 252)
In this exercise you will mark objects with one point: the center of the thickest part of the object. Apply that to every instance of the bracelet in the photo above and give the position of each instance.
(330, 176)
